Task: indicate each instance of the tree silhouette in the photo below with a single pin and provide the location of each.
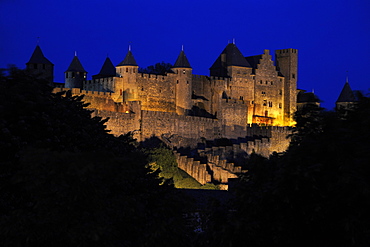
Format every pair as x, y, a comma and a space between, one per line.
65, 181
161, 68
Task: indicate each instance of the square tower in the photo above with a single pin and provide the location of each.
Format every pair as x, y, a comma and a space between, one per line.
287, 65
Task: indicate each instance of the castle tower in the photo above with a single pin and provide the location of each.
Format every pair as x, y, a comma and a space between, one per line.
184, 76
230, 63
75, 75
346, 99
107, 70
287, 64
126, 87
40, 66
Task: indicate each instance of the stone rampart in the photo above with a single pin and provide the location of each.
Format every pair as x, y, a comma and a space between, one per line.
278, 136
194, 168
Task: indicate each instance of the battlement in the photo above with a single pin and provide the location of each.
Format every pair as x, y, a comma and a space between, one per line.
262, 128
289, 50
100, 80
78, 91
153, 76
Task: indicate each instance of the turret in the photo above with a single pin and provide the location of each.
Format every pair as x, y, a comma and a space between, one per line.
184, 76
75, 75
40, 66
346, 99
287, 65
126, 87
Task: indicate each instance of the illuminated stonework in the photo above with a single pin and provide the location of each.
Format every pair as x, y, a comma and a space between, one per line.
240, 92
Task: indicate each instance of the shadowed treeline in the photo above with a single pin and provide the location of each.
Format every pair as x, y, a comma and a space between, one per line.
65, 181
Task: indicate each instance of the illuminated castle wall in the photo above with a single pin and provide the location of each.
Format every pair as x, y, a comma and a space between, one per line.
239, 92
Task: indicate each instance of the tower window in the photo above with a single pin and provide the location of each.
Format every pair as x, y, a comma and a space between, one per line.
280, 92
280, 105
260, 81
263, 93
43, 66
293, 75
264, 102
272, 83
266, 113
66, 75
241, 98
35, 66
270, 104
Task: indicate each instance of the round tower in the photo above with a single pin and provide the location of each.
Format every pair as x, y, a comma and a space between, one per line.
75, 75
126, 85
184, 76
40, 66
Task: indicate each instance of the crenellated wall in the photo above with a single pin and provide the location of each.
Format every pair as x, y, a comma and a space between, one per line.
216, 170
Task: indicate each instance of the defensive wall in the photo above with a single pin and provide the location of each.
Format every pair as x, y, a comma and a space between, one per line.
278, 136
174, 128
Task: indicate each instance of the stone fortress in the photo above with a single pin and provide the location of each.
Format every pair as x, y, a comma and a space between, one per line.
250, 100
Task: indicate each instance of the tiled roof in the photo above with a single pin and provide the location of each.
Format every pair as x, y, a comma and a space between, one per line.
38, 57
129, 60
76, 66
347, 94
107, 69
230, 56
182, 61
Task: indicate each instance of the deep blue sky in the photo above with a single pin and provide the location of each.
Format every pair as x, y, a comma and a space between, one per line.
332, 36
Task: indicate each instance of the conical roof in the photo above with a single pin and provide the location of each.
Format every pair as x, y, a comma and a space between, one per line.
230, 56
347, 94
38, 57
182, 61
76, 66
107, 69
129, 60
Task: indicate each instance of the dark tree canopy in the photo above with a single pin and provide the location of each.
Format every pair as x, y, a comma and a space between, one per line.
316, 194
161, 68
65, 181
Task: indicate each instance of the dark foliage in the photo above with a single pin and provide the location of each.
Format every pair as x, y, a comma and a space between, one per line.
157, 69
316, 194
65, 181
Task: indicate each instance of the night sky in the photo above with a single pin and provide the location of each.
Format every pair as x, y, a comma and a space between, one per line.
332, 36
